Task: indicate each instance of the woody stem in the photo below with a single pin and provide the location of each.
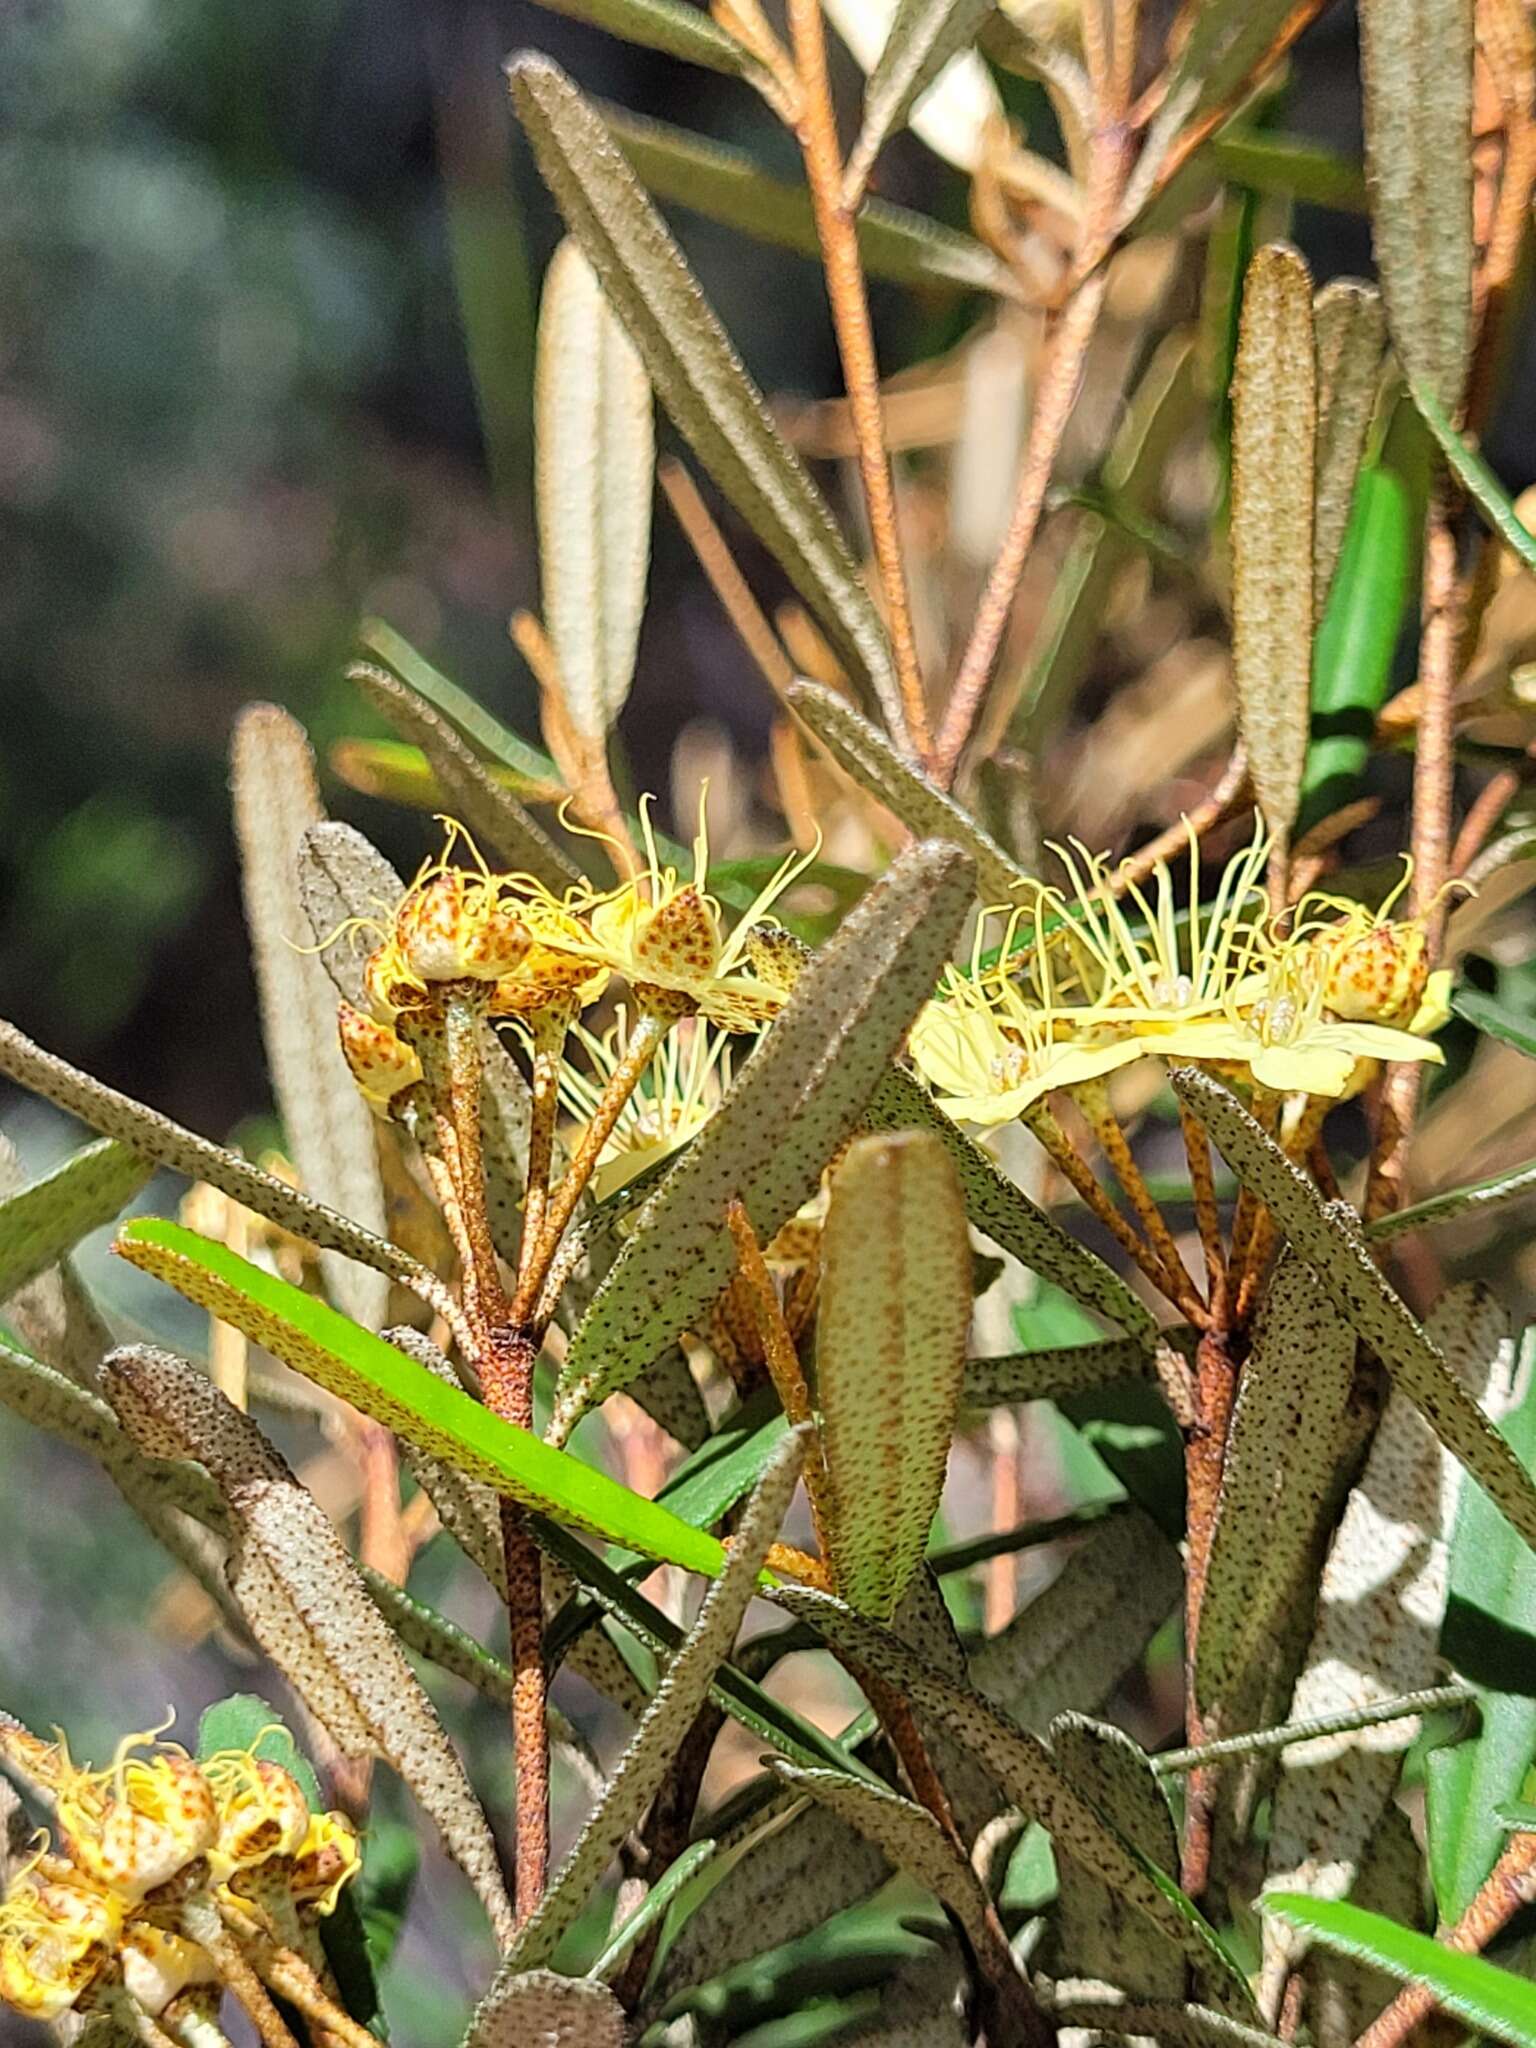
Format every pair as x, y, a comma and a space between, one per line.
1092, 1098
548, 1029
1065, 1155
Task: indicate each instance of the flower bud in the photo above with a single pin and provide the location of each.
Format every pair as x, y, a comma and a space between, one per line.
328, 1858
262, 1812
1377, 976
381, 1062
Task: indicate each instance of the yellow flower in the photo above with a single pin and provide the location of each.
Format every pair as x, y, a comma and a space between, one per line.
554, 965
676, 1097
1378, 965
139, 1823
159, 1966
328, 1858
262, 1812
56, 1940
381, 1063
666, 937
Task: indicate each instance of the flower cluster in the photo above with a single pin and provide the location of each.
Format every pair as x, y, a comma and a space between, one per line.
1299, 1005
100, 1911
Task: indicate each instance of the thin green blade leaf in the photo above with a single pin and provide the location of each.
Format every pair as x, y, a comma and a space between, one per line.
666, 25
1477, 1198
1484, 488
40, 1223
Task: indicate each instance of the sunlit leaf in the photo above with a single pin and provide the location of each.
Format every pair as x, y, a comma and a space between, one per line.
1477, 1198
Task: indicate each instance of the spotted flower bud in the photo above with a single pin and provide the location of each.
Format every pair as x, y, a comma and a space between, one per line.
56, 1940
1378, 974
159, 1966
553, 967
381, 1063
136, 1825
458, 927
262, 1812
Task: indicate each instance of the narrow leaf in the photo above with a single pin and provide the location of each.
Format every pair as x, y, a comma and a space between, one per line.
1018, 1376
667, 25
1274, 422
351, 1362
1283, 1444
537, 2009
42, 1222
923, 36
1351, 332
485, 732
668, 1718
874, 764
1365, 1300
344, 878
1100, 2009
1490, 2000
1484, 488
1095, 1933
1476, 1199
1416, 68
791, 1107
328, 1127
596, 457
302, 1595
890, 1352
693, 367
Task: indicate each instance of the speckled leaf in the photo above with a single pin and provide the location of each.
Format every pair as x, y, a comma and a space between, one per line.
328, 1127
797, 1099
53, 1313
1416, 1363
1416, 68
490, 811
1095, 1935
48, 1218
1351, 331
1004, 1213
696, 372
1070, 1645
305, 1602
671, 1713
537, 2009
905, 1833
875, 765
1274, 431
1283, 1444
342, 877
593, 482
1016, 1376
890, 1351
167, 1143
1376, 1635
1031, 1777
1100, 2009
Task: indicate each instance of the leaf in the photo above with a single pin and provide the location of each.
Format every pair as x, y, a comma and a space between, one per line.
328, 1127
1003, 1212
1351, 332
399, 774
301, 1593
1477, 1198
594, 476
923, 36
693, 367
48, 1218
670, 1715
668, 25
890, 1351
344, 878
1289, 167
146, 1131
1095, 1935
1489, 1635
957, 100
1416, 71
1283, 1445
474, 796
1028, 1775
1364, 1299
789, 1109
485, 733
1018, 1376
727, 185
1274, 432
1486, 492
1491, 1017
868, 756
1490, 2000
653, 1908
540, 2010
1100, 2009
361, 1368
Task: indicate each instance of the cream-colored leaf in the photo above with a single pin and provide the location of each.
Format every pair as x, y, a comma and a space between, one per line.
1274, 434
328, 1127
1351, 331
919, 74
305, 1602
593, 482
537, 2009
890, 1353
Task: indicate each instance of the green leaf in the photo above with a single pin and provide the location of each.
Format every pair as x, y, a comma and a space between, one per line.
697, 374
890, 1352
351, 1362
1416, 68
44, 1221
798, 1097
653, 1908
1490, 2000
1491, 1017
246, 1721
1097, 1936
1274, 435
1489, 1636
593, 481
726, 185
399, 774
1477, 1198
485, 732
1346, 1268
1290, 168
667, 25
923, 36
1487, 493
874, 764
1351, 332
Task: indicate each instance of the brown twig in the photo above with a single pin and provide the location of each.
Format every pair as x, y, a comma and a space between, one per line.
1041, 1122
1202, 1184
581, 757
1205, 1452
1092, 1098
837, 232
709, 544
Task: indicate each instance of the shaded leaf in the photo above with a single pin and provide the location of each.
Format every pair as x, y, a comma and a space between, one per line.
1484, 488
593, 481
1416, 70
1290, 166
923, 36
1365, 1300
1351, 331
788, 1110
874, 764
895, 1306
1274, 420
1104, 2010
1017, 1376
537, 2009
1094, 1933
1476, 1198
958, 98
302, 1596
693, 367
43, 1221
1491, 1017
327, 1126
667, 25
